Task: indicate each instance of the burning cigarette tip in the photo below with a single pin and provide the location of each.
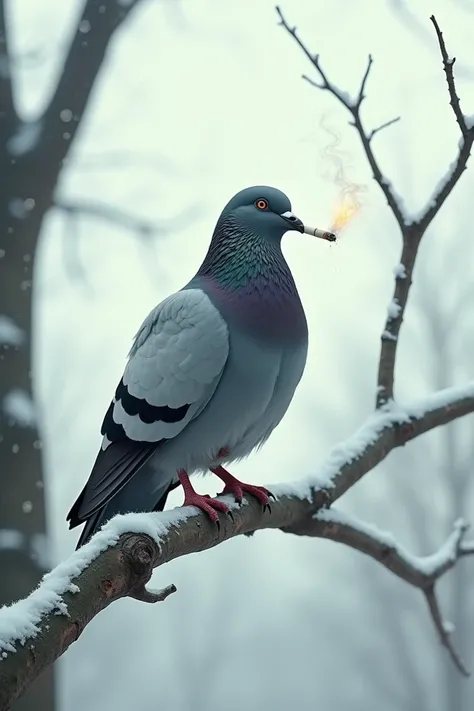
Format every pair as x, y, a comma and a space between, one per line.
322, 234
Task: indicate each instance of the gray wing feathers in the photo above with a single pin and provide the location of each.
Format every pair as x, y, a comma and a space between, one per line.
174, 367
176, 362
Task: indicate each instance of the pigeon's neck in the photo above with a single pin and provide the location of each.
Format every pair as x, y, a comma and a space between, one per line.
238, 257
249, 280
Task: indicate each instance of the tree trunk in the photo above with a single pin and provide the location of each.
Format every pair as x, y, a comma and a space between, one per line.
31, 160
23, 536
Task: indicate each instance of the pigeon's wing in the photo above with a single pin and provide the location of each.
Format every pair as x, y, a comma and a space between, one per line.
174, 367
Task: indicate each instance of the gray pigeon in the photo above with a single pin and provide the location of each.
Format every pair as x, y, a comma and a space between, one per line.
210, 374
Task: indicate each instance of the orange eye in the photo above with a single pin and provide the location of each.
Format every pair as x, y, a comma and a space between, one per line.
262, 204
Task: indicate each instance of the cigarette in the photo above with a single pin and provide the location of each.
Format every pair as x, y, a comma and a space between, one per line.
322, 234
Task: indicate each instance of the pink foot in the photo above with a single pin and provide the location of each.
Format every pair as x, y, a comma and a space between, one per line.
204, 502
239, 488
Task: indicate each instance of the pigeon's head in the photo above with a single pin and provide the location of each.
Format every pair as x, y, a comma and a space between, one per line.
263, 210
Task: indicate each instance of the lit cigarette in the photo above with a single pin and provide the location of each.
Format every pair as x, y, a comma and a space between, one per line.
322, 234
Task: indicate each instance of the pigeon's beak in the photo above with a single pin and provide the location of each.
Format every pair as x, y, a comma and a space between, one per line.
294, 223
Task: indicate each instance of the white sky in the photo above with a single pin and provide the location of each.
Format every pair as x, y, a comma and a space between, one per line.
206, 98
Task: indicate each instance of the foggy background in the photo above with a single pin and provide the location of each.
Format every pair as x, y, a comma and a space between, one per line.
196, 100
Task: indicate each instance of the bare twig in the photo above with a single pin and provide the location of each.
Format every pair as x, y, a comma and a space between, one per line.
381, 127
418, 28
442, 629
109, 213
448, 65
71, 241
455, 171
422, 572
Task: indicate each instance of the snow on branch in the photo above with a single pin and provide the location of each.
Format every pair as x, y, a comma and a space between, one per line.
412, 229
119, 560
422, 572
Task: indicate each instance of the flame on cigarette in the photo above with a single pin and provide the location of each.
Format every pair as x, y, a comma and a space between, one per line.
350, 195
347, 208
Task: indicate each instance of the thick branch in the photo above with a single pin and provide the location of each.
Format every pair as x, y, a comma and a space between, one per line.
393, 427
118, 562
81, 67
394, 320
422, 572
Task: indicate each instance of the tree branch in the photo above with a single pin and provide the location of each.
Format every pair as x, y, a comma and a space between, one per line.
62, 118
353, 106
119, 560
448, 65
8, 115
412, 230
109, 213
422, 572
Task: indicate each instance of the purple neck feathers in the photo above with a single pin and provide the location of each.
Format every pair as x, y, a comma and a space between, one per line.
248, 279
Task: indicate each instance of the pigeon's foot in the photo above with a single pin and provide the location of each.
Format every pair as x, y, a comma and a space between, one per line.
239, 488
204, 502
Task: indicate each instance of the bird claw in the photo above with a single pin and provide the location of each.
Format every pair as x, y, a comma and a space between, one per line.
267, 506
211, 507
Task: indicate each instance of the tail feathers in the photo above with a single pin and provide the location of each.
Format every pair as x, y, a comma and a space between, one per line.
160, 505
136, 496
92, 525
113, 470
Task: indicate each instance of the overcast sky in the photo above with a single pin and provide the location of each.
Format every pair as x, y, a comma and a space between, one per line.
197, 100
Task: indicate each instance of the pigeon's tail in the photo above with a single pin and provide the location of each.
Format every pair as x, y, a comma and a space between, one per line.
124, 479
136, 496
92, 525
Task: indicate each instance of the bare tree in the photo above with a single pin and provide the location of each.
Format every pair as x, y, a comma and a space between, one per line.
119, 560
32, 155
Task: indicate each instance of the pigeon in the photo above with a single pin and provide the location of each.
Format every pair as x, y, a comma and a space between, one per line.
211, 373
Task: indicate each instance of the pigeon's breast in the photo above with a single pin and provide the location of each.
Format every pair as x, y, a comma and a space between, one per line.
267, 310
253, 395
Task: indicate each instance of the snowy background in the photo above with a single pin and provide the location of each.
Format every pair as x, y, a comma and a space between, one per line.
196, 100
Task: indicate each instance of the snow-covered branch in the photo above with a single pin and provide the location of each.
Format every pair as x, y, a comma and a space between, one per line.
422, 572
119, 560
412, 228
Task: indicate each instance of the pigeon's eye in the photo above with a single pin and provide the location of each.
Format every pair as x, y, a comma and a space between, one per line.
262, 204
